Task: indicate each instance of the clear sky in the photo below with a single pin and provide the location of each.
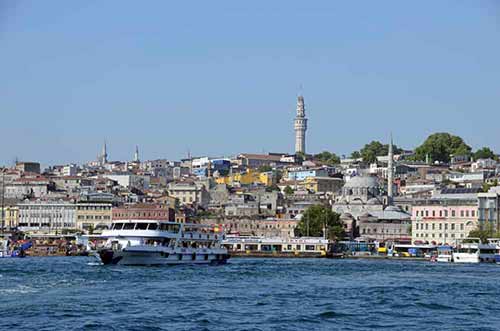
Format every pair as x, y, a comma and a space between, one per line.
222, 77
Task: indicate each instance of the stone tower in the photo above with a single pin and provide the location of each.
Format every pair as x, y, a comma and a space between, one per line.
300, 127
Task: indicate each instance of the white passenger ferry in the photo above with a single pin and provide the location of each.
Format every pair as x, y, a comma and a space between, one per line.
150, 242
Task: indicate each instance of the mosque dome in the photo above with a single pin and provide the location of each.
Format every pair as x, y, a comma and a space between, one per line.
362, 182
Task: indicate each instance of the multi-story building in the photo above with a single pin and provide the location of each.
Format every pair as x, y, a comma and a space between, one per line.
71, 183
10, 216
489, 209
441, 220
46, 216
28, 167
130, 180
33, 187
269, 228
189, 193
91, 215
323, 184
139, 211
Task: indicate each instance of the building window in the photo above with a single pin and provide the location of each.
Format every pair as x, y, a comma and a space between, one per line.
462, 214
453, 226
433, 213
473, 213
452, 213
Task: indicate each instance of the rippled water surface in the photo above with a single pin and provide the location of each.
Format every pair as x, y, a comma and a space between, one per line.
249, 294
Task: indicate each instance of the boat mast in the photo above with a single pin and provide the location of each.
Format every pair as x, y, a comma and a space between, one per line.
3, 202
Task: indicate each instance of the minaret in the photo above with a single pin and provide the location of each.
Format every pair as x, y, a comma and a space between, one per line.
104, 155
136, 154
300, 126
390, 172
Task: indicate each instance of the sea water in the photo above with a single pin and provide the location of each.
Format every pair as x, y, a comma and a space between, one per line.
75, 293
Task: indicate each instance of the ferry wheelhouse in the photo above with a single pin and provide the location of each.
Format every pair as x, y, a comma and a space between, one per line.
151, 242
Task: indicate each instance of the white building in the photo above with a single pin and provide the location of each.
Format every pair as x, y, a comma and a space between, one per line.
130, 180
46, 216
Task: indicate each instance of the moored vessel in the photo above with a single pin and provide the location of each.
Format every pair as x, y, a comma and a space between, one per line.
467, 252
151, 242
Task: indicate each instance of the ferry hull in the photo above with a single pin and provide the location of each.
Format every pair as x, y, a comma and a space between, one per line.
465, 258
148, 258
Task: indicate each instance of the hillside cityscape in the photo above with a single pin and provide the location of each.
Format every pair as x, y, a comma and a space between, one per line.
438, 193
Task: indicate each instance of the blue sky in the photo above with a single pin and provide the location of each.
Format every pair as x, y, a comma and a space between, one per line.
222, 77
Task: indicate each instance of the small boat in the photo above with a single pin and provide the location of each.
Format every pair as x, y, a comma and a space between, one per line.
467, 251
444, 254
7, 249
495, 246
152, 242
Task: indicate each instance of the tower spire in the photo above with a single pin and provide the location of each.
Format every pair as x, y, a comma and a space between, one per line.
300, 126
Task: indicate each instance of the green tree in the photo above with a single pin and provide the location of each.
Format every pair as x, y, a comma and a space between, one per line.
370, 151
327, 158
355, 155
483, 233
485, 153
288, 190
486, 186
439, 147
318, 217
300, 157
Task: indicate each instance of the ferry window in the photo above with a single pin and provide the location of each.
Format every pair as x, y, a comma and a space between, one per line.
128, 226
117, 226
152, 226
141, 226
310, 247
298, 247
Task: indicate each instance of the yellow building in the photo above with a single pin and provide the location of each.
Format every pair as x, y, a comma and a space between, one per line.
247, 178
11, 217
92, 215
323, 184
